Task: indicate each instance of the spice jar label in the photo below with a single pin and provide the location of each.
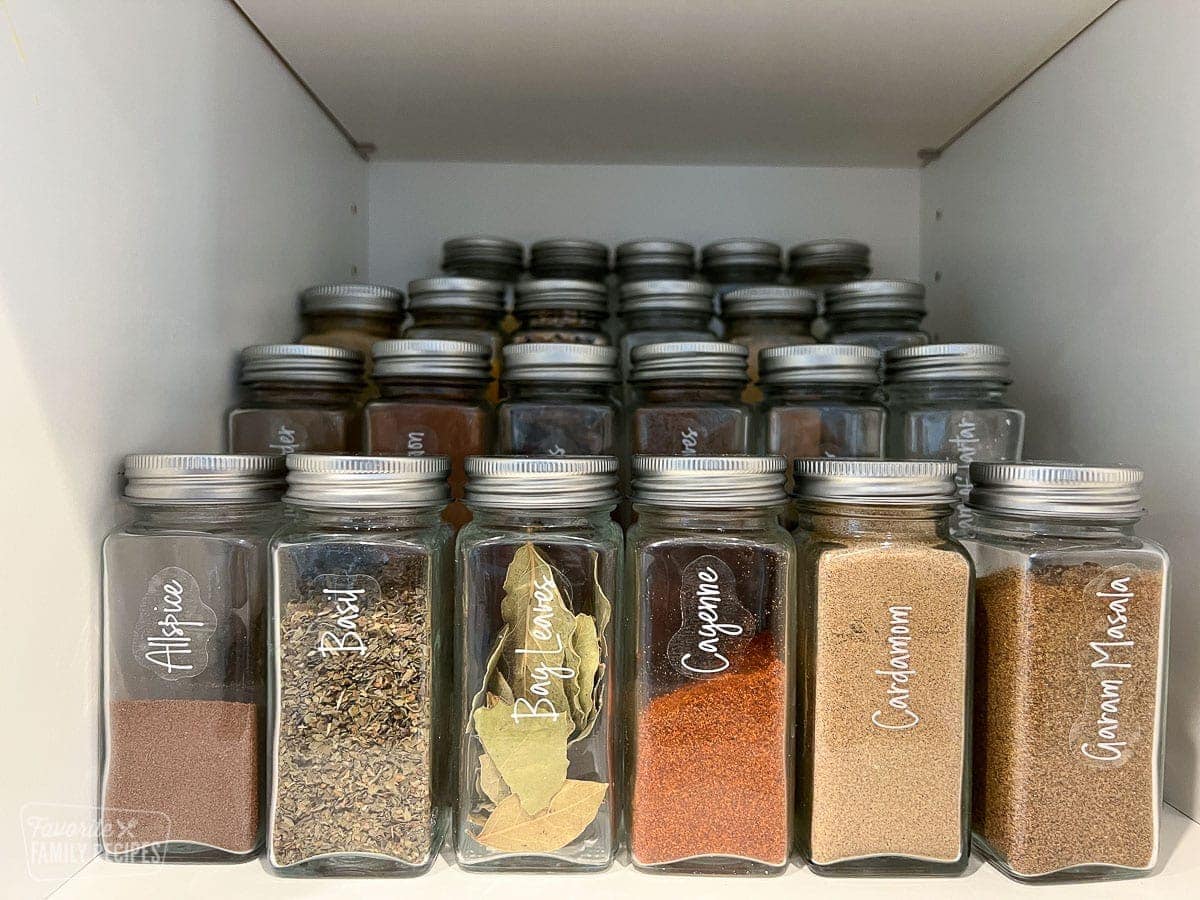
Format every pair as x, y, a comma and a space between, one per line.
174, 626
715, 627
689, 440
287, 437
335, 628
419, 440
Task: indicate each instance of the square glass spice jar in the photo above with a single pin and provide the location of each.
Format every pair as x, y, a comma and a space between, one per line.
361, 668
350, 316
1070, 672
459, 309
879, 313
184, 681
561, 311
886, 595
663, 310
483, 256
767, 316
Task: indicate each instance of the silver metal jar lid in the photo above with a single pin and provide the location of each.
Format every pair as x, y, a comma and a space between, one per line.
476, 294
629, 250
666, 295
561, 293
656, 257
829, 252
483, 248
537, 361
688, 361
423, 358
876, 482
573, 249
1057, 490
769, 300
303, 363
741, 252
708, 481
947, 362
367, 482
819, 364
534, 483
167, 478
875, 295
365, 299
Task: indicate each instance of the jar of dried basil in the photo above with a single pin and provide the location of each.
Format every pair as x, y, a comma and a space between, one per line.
459, 309
572, 258
561, 311
483, 256
361, 667
687, 399
539, 569
559, 401
646, 259
828, 261
767, 316
1070, 672
707, 675
884, 776
184, 678
350, 316
297, 397
876, 313
663, 310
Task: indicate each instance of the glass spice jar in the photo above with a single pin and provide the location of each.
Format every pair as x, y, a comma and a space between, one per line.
361, 667
884, 777
876, 313
687, 400
350, 316
947, 401
572, 258
297, 397
706, 673
559, 402
1070, 672
741, 261
184, 705
539, 570
647, 259
663, 310
767, 316
432, 404
828, 261
482, 256
459, 309
561, 311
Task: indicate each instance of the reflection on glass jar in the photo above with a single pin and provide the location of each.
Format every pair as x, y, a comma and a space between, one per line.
459, 309
350, 316
538, 578
707, 675
1070, 672
876, 313
573, 258
767, 316
656, 311
561, 311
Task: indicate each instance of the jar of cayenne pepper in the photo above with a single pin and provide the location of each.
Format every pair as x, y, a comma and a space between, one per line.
707, 671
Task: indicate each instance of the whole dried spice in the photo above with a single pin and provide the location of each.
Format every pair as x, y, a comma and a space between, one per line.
353, 772
1068, 684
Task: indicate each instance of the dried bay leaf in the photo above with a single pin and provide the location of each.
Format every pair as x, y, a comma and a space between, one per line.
490, 781
491, 671
501, 687
603, 606
529, 753
587, 647
570, 811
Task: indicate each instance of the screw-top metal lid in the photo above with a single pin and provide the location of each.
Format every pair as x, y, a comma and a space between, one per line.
561, 293
556, 257
1057, 490
720, 256
947, 362
483, 248
537, 361
830, 252
876, 482
769, 300
303, 363
819, 364
708, 481
689, 360
168, 478
421, 358
534, 483
654, 258
875, 296
666, 295
477, 294
367, 482
363, 299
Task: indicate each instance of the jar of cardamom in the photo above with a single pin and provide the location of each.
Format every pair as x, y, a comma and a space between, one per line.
1070, 672
184, 671
538, 572
885, 661
707, 674
361, 634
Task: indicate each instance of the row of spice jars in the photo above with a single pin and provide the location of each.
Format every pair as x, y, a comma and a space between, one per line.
710, 671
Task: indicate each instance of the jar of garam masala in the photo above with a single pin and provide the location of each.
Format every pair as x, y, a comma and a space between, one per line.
561, 311
432, 404
876, 313
885, 591
1070, 672
767, 316
539, 571
297, 397
687, 399
559, 401
361, 667
350, 316
184, 680
707, 677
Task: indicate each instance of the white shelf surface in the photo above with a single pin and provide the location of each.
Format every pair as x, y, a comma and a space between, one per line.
1178, 876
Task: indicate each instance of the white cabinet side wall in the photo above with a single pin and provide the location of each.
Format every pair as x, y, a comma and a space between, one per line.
166, 190
1064, 226
415, 205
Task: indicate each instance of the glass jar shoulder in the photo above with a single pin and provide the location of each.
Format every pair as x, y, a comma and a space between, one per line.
245, 527
427, 535
1028, 552
650, 533
595, 531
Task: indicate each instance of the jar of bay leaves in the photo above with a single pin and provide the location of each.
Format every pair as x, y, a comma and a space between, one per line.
361, 667
1070, 672
538, 572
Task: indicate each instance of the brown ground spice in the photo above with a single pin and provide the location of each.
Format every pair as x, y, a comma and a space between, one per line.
1039, 802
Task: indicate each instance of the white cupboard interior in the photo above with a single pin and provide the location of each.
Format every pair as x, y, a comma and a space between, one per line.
173, 173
